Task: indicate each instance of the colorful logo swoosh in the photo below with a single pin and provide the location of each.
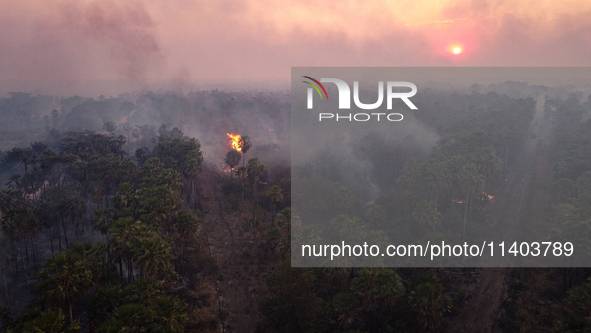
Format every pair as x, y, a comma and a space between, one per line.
315, 87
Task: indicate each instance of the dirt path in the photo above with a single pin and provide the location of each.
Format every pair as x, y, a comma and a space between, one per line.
483, 307
240, 278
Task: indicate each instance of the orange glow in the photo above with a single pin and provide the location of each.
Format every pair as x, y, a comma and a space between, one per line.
490, 197
458, 201
457, 50
235, 141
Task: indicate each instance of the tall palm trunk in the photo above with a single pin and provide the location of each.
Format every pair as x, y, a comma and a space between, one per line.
6, 284
256, 200
193, 192
244, 166
23, 261
71, 315
51, 240
34, 241
181, 258
65, 233
16, 265
129, 271
59, 236
27, 251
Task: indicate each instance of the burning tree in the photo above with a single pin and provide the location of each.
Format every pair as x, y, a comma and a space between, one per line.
235, 141
232, 159
240, 144
245, 145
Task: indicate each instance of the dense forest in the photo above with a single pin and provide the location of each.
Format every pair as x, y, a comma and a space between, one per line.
139, 213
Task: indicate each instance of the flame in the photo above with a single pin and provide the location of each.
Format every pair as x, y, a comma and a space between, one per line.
236, 144
459, 201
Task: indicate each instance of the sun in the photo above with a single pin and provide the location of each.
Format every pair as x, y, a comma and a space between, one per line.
457, 50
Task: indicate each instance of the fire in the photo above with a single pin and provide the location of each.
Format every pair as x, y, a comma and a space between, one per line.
235, 141
460, 201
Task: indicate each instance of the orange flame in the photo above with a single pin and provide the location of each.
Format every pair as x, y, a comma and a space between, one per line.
490, 197
236, 144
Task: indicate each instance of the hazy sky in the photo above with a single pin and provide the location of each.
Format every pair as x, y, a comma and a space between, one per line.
61, 46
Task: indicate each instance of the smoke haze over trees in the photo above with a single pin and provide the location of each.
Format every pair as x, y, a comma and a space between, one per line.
133, 195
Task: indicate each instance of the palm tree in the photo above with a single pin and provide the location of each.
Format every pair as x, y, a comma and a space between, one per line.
6, 257
127, 318
378, 288
411, 173
410, 178
376, 215
470, 179
109, 126
192, 169
18, 220
437, 174
146, 291
254, 170
187, 225
26, 156
128, 128
347, 228
106, 299
91, 258
276, 196
241, 173
245, 144
232, 159
68, 275
50, 321
343, 199
123, 234
170, 314
101, 221
345, 305
430, 304
486, 158
152, 255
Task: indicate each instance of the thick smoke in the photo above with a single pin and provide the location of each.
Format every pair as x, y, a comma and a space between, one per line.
71, 47
126, 30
